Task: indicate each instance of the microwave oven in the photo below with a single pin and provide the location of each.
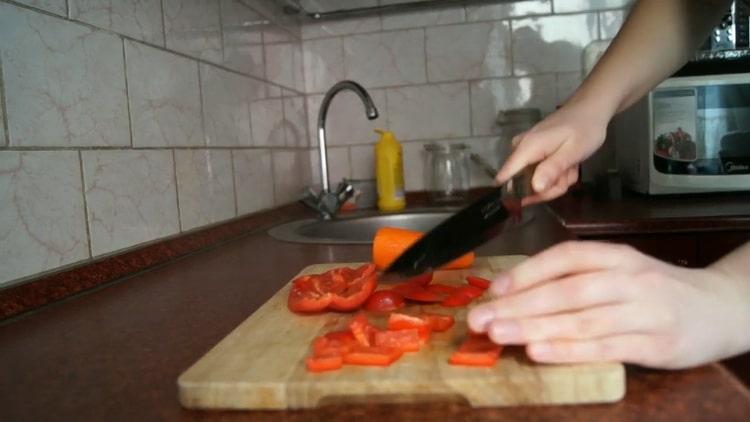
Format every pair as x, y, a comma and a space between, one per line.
687, 135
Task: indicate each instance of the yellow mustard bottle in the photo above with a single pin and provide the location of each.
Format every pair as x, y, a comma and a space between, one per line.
389, 170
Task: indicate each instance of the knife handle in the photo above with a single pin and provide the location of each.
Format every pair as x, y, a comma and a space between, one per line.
520, 185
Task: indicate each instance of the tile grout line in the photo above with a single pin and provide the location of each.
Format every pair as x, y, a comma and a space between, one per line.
163, 24
4, 125
127, 95
176, 190
424, 51
221, 32
234, 182
85, 205
200, 100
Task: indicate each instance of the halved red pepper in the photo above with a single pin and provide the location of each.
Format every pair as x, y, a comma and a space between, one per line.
340, 289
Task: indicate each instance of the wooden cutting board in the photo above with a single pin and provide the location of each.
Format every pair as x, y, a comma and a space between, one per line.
260, 365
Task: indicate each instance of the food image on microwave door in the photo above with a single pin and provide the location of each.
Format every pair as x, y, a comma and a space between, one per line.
676, 145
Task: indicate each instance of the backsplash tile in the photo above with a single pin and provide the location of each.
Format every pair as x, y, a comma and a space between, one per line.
347, 123
564, 6
295, 122
386, 58
424, 18
253, 179
42, 222
205, 187
75, 96
193, 27
226, 106
164, 95
323, 63
552, 43
267, 122
3, 138
470, 51
140, 19
610, 23
362, 161
339, 166
58, 7
131, 197
567, 83
284, 65
490, 96
429, 111
242, 34
508, 10
291, 173
336, 27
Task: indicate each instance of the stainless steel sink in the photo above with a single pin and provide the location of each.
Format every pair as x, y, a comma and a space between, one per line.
360, 228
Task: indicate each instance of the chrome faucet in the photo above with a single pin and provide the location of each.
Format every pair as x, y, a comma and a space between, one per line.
326, 202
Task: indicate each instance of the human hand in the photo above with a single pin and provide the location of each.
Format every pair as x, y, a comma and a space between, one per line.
559, 143
591, 301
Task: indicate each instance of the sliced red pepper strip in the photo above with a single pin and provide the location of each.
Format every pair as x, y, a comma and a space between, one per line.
480, 282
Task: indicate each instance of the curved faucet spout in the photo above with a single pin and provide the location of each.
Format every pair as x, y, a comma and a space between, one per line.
370, 110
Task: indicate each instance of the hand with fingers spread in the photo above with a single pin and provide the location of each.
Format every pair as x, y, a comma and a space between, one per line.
590, 301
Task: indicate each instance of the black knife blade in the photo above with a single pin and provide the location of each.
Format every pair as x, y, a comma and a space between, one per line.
464, 231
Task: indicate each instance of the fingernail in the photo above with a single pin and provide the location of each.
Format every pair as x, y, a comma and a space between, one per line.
479, 318
505, 331
540, 351
540, 184
501, 285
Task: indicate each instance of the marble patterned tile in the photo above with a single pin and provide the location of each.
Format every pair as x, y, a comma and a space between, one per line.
42, 219
347, 123
163, 90
566, 6
273, 11
552, 43
267, 122
291, 174
429, 111
423, 18
488, 97
315, 182
57, 7
242, 34
64, 82
491, 12
493, 149
362, 161
140, 19
253, 179
226, 107
323, 63
470, 51
273, 33
205, 187
610, 23
284, 65
415, 159
295, 122
131, 197
385, 59
193, 27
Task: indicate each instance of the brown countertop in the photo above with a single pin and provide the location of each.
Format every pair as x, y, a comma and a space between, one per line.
585, 215
115, 353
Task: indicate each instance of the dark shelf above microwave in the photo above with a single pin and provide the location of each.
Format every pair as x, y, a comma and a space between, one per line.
312, 10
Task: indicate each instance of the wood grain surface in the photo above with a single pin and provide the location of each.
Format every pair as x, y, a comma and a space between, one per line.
260, 365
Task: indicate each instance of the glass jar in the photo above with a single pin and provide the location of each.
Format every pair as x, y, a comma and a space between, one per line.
447, 172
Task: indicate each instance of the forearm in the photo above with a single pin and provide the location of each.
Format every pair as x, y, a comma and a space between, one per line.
657, 38
733, 279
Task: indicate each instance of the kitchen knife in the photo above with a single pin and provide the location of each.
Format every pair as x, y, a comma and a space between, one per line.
464, 231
